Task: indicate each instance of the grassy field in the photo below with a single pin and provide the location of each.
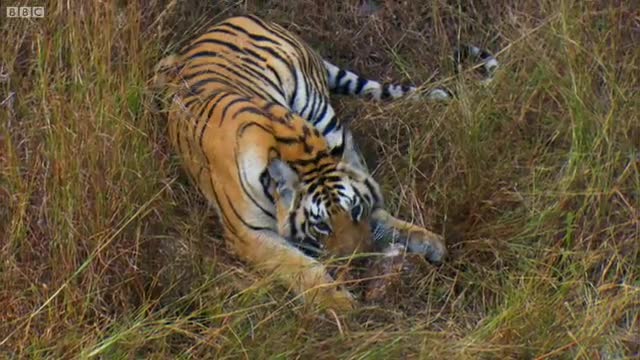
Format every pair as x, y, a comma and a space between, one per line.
108, 252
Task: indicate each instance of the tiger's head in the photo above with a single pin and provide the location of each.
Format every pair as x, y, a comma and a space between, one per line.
328, 208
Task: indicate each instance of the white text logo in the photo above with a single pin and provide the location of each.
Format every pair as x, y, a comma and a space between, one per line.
25, 11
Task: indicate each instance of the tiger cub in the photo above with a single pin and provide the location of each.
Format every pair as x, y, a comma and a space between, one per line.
250, 116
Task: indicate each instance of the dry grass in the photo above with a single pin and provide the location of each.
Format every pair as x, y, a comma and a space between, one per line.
108, 252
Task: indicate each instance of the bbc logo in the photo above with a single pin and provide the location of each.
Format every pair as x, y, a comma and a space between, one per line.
25, 12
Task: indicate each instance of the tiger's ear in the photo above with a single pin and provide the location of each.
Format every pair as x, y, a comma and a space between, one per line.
286, 181
351, 154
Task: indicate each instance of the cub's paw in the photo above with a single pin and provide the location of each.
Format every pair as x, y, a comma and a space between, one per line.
430, 245
333, 298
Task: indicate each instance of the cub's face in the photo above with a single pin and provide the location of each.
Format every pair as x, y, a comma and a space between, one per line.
329, 213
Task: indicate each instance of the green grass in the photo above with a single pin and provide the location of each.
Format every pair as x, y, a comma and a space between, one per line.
108, 252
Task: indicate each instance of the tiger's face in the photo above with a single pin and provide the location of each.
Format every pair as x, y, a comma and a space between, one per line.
331, 212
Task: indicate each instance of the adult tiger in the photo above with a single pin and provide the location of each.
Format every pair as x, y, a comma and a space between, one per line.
250, 117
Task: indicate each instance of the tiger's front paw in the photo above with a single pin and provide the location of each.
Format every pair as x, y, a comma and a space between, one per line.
429, 244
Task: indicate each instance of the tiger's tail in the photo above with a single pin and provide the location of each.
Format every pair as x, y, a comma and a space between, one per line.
348, 83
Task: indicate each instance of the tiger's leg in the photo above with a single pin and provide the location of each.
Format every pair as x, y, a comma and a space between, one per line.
416, 239
388, 229
271, 254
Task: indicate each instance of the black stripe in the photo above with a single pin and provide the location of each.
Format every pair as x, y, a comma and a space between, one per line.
204, 53
246, 191
268, 107
309, 246
251, 35
250, 60
484, 55
227, 107
340, 187
213, 106
314, 103
258, 21
190, 76
332, 178
337, 151
225, 219
292, 226
206, 120
219, 30
199, 84
255, 54
287, 140
376, 198
244, 127
257, 37
330, 126
189, 102
307, 88
275, 73
273, 53
265, 181
229, 225
368, 200
243, 221
385, 93
357, 192
295, 89
206, 102
282, 34
344, 88
228, 45
308, 175
320, 116
252, 109
318, 169
339, 76
304, 162
360, 85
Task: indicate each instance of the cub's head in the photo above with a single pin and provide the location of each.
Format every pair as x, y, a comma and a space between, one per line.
326, 206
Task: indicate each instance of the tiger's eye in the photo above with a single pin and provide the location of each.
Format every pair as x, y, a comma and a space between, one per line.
322, 228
